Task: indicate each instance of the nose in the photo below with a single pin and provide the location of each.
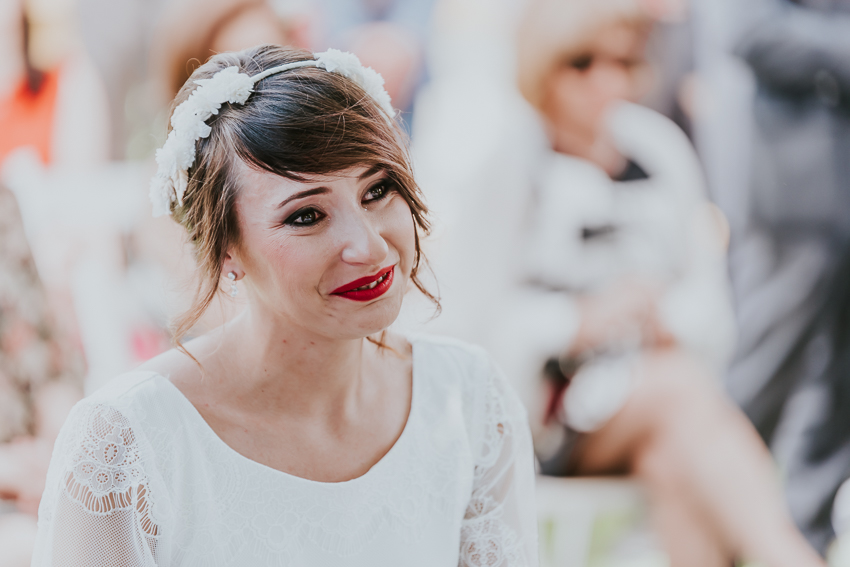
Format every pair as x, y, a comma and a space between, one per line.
362, 240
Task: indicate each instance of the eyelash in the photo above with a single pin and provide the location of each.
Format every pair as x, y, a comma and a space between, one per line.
387, 185
292, 220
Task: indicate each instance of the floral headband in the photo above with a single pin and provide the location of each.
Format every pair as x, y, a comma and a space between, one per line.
188, 122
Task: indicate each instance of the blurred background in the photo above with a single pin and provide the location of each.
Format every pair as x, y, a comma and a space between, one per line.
672, 173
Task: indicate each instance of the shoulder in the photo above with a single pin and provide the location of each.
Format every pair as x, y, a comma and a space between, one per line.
127, 402
492, 412
454, 364
127, 391
449, 354
133, 421
177, 365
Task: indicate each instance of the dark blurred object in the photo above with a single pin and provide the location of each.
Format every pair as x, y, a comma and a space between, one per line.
782, 261
800, 56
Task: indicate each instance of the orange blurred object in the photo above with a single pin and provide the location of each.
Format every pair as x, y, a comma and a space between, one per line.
27, 117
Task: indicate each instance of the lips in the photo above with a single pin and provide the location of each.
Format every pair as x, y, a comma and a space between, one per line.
368, 288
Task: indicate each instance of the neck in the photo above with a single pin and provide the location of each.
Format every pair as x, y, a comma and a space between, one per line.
281, 366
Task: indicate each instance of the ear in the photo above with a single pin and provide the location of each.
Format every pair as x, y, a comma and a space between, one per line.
232, 264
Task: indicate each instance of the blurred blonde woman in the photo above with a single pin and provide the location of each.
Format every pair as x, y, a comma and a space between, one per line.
624, 274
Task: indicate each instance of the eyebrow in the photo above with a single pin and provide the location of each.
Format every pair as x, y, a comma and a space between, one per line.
322, 190
372, 171
303, 194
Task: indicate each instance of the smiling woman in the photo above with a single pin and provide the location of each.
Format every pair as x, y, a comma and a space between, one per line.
301, 432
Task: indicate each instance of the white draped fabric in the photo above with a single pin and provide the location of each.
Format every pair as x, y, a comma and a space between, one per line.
138, 479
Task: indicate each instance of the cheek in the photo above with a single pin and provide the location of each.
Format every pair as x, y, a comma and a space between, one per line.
575, 98
610, 82
400, 232
283, 263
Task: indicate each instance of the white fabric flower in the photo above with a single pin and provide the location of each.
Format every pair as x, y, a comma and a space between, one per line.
349, 66
188, 125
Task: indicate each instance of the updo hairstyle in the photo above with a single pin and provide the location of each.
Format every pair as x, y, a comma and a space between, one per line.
298, 124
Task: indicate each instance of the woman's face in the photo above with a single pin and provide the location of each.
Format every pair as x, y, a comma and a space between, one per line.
583, 87
331, 256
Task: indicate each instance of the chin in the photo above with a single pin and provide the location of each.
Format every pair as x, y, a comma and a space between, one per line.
372, 319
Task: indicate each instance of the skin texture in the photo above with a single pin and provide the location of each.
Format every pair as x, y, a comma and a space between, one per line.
296, 359
710, 478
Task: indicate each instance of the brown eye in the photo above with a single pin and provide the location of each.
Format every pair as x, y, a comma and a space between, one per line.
304, 217
377, 192
582, 62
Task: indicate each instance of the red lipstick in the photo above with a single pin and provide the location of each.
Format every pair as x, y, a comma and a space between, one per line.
368, 288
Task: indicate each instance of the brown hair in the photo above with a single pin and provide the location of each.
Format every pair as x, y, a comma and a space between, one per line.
298, 124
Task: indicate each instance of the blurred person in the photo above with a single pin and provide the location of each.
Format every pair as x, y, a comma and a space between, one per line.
217, 26
300, 432
387, 35
604, 269
794, 223
40, 379
60, 111
621, 224
49, 118
815, 450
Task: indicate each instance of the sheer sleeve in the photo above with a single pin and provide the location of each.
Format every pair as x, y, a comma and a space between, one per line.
500, 525
97, 505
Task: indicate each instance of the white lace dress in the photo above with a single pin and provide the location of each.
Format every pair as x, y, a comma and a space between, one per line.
138, 479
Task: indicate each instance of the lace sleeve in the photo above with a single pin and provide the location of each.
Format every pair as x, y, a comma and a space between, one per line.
97, 505
500, 525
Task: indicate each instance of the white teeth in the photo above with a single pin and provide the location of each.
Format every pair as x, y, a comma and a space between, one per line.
371, 285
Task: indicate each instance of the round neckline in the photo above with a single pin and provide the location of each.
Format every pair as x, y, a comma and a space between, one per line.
380, 463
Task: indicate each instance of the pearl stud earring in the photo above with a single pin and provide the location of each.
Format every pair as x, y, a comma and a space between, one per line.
232, 277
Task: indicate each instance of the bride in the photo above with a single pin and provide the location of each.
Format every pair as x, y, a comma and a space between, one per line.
301, 432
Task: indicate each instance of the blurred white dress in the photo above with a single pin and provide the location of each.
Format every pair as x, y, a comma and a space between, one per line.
138, 478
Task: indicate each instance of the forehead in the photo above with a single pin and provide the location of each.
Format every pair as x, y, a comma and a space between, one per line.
617, 38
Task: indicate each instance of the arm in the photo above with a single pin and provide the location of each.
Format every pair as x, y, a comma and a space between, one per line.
97, 507
793, 48
499, 528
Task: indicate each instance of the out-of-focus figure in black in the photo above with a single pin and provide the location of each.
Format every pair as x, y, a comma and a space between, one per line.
791, 369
